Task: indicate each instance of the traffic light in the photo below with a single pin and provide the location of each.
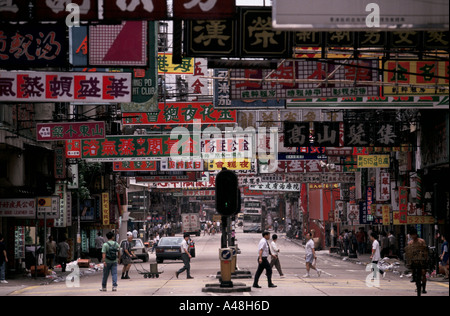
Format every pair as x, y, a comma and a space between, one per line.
227, 199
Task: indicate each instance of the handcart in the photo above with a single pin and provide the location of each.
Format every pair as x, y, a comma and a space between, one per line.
153, 273
416, 258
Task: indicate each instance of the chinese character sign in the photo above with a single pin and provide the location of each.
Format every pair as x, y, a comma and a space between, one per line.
419, 77
139, 148
306, 79
29, 86
32, 46
69, 131
177, 113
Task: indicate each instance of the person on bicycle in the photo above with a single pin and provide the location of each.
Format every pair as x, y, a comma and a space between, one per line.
416, 241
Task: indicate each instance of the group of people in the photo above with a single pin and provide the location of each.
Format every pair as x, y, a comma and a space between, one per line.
266, 251
361, 242
111, 257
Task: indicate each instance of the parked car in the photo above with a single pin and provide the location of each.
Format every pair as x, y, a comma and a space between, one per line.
138, 248
169, 248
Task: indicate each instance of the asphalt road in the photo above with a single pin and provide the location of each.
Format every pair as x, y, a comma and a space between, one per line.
339, 278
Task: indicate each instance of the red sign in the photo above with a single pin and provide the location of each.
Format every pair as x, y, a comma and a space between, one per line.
181, 113
70, 130
134, 165
56, 10
403, 204
210, 9
73, 148
135, 10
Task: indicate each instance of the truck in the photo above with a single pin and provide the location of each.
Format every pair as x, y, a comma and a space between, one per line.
191, 224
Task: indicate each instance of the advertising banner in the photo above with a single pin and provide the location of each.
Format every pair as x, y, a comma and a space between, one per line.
28, 86
69, 131
178, 113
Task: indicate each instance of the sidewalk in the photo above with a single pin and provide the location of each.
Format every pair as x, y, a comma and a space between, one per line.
17, 282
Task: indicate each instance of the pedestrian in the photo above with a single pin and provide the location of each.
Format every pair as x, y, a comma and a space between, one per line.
392, 244
416, 241
263, 263
275, 261
99, 241
51, 252
63, 249
127, 256
376, 254
346, 242
310, 256
186, 257
155, 241
361, 239
110, 250
444, 256
384, 245
3, 260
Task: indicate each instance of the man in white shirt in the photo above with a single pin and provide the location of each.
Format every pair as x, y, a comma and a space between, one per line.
275, 255
376, 256
263, 263
186, 257
310, 256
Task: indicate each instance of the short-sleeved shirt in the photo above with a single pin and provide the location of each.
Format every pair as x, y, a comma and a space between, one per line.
309, 247
105, 249
184, 246
264, 246
376, 247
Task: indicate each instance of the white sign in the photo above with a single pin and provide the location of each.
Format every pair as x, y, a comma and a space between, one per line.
226, 148
17, 208
30, 86
274, 186
353, 15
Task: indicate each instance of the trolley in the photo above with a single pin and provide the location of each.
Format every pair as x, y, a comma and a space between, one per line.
153, 273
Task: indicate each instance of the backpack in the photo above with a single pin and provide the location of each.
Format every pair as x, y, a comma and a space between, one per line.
111, 253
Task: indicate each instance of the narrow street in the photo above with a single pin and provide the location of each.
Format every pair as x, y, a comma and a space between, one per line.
339, 277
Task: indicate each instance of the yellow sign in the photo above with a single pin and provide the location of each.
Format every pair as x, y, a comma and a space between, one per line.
386, 210
105, 208
165, 65
419, 76
230, 164
373, 161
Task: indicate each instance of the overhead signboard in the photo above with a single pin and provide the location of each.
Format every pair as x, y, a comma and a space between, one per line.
360, 14
230, 164
135, 166
373, 161
27, 86
306, 78
18, 207
139, 147
32, 45
168, 164
178, 113
222, 95
122, 44
69, 131
166, 66
388, 102
135, 10
416, 77
57, 10
258, 38
192, 9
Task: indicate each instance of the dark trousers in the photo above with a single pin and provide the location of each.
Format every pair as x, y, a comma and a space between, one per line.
187, 265
63, 262
261, 266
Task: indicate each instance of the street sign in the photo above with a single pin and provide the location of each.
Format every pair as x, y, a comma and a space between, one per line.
48, 207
